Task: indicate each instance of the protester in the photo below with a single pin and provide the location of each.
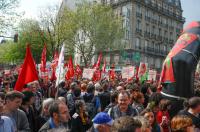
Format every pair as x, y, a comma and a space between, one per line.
27, 107
93, 105
162, 115
80, 120
149, 115
123, 107
126, 124
146, 126
102, 122
44, 115
59, 115
62, 91
182, 123
193, 111
104, 96
13, 101
113, 100
6, 124
70, 98
138, 103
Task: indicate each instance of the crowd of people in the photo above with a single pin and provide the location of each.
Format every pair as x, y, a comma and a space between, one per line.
86, 106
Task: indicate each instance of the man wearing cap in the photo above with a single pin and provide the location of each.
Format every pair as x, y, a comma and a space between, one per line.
102, 122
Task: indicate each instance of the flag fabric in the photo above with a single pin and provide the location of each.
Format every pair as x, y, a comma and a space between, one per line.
43, 59
78, 71
60, 67
97, 75
112, 72
97, 66
28, 73
53, 66
70, 69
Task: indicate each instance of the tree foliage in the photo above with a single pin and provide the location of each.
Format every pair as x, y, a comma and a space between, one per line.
98, 29
7, 14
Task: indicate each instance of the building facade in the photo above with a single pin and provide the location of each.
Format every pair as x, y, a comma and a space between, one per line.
151, 29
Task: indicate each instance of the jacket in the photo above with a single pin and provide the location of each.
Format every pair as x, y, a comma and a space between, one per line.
116, 113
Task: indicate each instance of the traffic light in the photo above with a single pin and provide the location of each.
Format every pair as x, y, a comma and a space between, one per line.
16, 38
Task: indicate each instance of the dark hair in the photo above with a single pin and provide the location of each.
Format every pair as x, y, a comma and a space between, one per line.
113, 96
2, 95
13, 95
144, 88
138, 96
156, 98
194, 102
77, 92
61, 85
90, 88
73, 85
54, 107
78, 104
124, 92
125, 124
27, 96
164, 103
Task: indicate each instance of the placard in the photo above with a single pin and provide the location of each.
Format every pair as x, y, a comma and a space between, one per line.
88, 73
128, 72
152, 75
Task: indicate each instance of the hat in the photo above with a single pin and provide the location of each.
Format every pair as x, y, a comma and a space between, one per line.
102, 118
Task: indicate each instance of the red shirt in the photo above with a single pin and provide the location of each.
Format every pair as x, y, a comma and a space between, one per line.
159, 118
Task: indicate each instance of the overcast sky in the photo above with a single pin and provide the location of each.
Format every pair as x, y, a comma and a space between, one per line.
191, 8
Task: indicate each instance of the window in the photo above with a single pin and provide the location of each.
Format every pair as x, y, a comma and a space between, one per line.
147, 28
165, 48
145, 44
137, 43
138, 26
159, 32
153, 29
138, 9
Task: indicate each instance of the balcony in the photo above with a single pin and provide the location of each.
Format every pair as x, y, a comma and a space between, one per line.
159, 37
147, 18
147, 34
153, 36
139, 15
138, 31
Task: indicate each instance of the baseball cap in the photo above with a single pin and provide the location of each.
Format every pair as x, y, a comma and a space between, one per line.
102, 118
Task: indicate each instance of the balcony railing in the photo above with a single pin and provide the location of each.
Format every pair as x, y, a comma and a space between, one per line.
139, 31
138, 14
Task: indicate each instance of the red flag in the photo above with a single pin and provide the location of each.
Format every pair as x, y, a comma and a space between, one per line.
99, 61
28, 73
112, 72
43, 59
70, 70
104, 66
54, 65
53, 75
55, 60
97, 76
78, 70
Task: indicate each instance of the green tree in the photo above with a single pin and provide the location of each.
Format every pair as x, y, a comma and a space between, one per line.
29, 33
98, 29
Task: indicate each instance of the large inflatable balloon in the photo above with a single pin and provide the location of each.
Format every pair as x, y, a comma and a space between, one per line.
177, 76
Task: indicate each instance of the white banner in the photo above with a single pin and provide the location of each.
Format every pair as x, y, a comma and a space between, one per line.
152, 75
128, 72
88, 73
